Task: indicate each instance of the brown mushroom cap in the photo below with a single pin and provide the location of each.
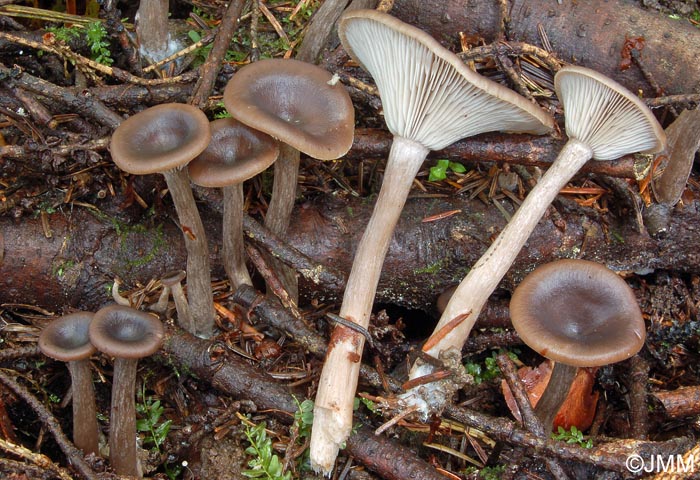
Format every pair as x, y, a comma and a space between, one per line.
124, 332
296, 103
172, 277
605, 115
160, 138
235, 153
428, 94
578, 313
66, 338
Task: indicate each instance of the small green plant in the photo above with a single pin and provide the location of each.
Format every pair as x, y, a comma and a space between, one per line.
96, 35
439, 171
489, 370
573, 435
304, 417
492, 473
264, 463
149, 423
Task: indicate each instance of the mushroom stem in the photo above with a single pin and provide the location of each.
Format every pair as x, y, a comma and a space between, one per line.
555, 393
198, 270
84, 410
122, 422
338, 382
474, 290
233, 246
279, 212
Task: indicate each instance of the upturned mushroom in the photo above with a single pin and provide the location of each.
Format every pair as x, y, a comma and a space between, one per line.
298, 104
603, 121
66, 339
579, 314
430, 99
235, 154
127, 335
164, 139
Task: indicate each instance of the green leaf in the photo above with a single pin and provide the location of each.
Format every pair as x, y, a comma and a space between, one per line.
439, 171
457, 167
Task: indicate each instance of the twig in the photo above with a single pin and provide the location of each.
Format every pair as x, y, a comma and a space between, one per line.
79, 60
234, 376
41, 461
32, 149
19, 352
272, 281
516, 48
309, 269
210, 69
83, 105
530, 420
319, 30
74, 455
639, 409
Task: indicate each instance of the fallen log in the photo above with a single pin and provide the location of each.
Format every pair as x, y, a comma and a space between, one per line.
589, 34
75, 261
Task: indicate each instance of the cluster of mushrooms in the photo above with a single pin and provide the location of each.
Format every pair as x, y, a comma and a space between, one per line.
124, 333
430, 99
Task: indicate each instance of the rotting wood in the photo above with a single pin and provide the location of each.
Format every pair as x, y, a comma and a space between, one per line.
591, 36
88, 249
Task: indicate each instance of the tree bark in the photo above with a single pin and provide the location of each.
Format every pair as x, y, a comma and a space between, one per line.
75, 267
591, 34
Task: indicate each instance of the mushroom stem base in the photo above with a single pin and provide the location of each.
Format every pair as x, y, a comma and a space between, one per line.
338, 382
555, 393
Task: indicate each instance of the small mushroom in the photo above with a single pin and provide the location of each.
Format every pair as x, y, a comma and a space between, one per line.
172, 283
578, 314
66, 339
164, 139
298, 104
604, 121
126, 334
430, 99
235, 154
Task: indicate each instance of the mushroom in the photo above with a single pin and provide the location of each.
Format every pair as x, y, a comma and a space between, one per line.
430, 100
172, 284
152, 32
579, 314
163, 139
126, 334
298, 104
604, 121
66, 339
235, 154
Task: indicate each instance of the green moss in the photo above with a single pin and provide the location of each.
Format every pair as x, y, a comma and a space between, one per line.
432, 269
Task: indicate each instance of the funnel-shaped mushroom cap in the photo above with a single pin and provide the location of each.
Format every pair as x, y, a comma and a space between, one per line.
605, 115
66, 338
160, 138
235, 154
578, 313
296, 103
428, 94
125, 332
